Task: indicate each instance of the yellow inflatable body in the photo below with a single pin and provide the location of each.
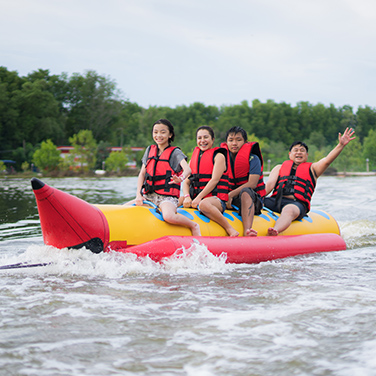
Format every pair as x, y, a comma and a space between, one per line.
140, 224
69, 222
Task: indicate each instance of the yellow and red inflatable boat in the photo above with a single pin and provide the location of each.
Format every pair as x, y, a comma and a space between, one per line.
69, 222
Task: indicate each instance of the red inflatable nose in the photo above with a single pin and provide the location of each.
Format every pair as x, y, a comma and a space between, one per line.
68, 221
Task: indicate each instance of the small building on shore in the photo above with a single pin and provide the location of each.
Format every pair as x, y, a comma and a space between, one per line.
67, 150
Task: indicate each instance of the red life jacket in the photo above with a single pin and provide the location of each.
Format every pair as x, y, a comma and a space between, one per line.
202, 168
239, 170
300, 182
159, 172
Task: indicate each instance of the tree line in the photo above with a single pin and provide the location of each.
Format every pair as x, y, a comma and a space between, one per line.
41, 106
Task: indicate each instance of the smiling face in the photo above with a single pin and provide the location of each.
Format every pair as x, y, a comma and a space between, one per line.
161, 135
234, 142
204, 140
298, 154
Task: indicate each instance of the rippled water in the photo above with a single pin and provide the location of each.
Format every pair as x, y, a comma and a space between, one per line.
112, 314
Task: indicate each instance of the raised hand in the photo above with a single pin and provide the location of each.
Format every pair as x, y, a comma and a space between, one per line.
347, 136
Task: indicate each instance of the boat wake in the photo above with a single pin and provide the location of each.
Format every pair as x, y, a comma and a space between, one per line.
358, 234
196, 259
42, 259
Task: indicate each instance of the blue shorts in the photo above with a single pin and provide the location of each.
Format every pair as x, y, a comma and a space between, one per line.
223, 203
271, 203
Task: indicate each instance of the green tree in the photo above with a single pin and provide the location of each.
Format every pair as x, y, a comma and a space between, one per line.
126, 129
84, 149
39, 114
103, 151
253, 138
10, 84
278, 124
117, 161
93, 103
351, 158
47, 157
303, 114
23, 153
348, 118
260, 124
365, 121
316, 138
57, 86
25, 166
369, 148
274, 151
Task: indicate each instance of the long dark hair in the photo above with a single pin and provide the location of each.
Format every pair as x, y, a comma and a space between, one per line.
168, 124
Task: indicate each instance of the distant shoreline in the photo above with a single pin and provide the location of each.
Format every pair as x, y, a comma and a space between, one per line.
134, 173
345, 173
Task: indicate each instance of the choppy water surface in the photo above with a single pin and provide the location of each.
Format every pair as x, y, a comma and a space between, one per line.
112, 314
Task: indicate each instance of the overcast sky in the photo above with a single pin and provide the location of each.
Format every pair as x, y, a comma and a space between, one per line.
177, 52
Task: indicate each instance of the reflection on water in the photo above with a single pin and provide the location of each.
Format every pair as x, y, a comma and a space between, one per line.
18, 209
16, 202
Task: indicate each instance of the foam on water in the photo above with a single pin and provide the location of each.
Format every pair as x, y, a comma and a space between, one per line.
359, 233
196, 259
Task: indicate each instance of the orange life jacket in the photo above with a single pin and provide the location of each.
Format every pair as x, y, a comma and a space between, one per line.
202, 165
239, 170
159, 172
300, 182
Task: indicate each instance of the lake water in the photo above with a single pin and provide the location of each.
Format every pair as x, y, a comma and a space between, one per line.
111, 314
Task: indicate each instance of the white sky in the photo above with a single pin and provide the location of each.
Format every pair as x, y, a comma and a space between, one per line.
176, 52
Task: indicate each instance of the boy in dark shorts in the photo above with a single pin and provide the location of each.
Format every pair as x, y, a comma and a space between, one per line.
245, 169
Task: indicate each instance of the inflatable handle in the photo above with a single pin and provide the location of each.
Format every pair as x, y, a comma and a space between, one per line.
150, 203
147, 203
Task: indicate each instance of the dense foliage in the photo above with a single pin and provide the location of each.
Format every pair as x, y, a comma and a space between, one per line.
41, 107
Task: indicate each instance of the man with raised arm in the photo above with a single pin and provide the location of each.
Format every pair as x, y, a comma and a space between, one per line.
293, 182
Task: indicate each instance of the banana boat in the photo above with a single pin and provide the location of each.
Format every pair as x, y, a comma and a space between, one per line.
70, 222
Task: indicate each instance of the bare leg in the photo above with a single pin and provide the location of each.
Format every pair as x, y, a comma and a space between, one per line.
212, 208
248, 213
288, 214
170, 215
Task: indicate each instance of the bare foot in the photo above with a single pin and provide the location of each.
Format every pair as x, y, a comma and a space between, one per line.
272, 231
250, 232
196, 230
233, 233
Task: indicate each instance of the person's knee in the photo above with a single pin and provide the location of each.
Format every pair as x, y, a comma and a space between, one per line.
247, 194
168, 217
291, 211
204, 205
244, 196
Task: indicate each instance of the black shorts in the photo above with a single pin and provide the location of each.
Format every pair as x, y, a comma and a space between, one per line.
271, 203
236, 201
